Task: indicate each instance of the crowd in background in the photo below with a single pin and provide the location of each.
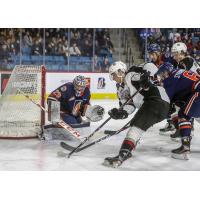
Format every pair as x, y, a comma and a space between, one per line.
57, 42
166, 37
83, 48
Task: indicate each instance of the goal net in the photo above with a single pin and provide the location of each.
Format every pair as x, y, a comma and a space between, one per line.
19, 117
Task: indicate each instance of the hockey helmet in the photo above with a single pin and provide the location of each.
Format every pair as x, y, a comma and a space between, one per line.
165, 70
154, 48
179, 47
117, 68
149, 67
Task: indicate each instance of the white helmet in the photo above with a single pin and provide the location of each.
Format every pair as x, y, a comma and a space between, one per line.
117, 67
179, 47
149, 67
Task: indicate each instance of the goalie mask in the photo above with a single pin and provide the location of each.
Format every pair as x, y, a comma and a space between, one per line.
79, 85
95, 113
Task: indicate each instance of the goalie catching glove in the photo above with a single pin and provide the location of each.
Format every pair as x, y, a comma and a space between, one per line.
95, 113
118, 113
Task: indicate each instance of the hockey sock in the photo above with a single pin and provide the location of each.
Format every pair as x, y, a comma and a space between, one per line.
185, 128
126, 148
175, 121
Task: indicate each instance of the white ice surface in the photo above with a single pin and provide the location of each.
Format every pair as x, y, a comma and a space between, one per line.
153, 152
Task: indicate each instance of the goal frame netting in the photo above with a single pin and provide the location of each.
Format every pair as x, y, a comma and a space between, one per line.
40, 72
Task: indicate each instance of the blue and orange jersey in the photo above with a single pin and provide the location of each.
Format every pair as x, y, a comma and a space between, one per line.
69, 102
180, 84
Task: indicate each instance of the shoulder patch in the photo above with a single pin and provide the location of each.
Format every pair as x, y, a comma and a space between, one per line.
63, 88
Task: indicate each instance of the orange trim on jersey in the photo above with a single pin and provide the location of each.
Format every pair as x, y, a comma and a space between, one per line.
183, 127
190, 103
194, 85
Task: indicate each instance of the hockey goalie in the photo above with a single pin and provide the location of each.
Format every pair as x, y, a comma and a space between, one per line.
71, 103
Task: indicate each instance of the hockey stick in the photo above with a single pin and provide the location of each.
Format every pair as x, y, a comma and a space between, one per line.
88, 137
64, 125
71, 148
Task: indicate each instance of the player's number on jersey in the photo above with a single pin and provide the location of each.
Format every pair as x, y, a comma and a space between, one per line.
190, 75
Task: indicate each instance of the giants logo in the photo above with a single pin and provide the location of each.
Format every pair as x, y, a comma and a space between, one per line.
101, 83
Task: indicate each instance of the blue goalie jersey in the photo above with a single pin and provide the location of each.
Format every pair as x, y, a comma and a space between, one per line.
69, 102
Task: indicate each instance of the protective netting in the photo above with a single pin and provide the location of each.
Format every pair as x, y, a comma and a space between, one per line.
19, 117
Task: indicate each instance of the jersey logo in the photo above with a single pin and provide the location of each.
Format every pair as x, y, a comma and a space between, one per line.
77, 107
178, 73
63, 88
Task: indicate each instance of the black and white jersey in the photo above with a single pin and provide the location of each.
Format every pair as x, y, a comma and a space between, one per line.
153, 92
131, 85
123, 94
189, 63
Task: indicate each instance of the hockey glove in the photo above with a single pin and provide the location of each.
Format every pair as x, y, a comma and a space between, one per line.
118, 113
145, 80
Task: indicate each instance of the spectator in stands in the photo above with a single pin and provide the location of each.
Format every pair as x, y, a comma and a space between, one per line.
4, 54
198, 45
27, 40
97, 63
51, 47
74, 50
86, 49
97, 47
59, 49
75, 38
156, 33
105, 65
189, 45
38, 37
37, 48
63, 39
65, 49
109, 45
47, 38
177, 37
10, 46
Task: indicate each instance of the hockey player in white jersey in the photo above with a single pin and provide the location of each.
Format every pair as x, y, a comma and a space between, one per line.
152, 103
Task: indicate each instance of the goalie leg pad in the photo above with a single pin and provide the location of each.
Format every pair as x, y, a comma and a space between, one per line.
53, 111
69, 119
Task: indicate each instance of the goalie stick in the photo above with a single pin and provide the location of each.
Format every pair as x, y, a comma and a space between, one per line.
64, 125
71, 148
88, 137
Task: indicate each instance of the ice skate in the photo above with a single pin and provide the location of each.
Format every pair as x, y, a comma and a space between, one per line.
168, 129
183, 151
117, 160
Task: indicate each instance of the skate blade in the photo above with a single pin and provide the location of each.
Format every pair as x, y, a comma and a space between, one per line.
166, 133
61, 154
113, 165
184, 156
176, 139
